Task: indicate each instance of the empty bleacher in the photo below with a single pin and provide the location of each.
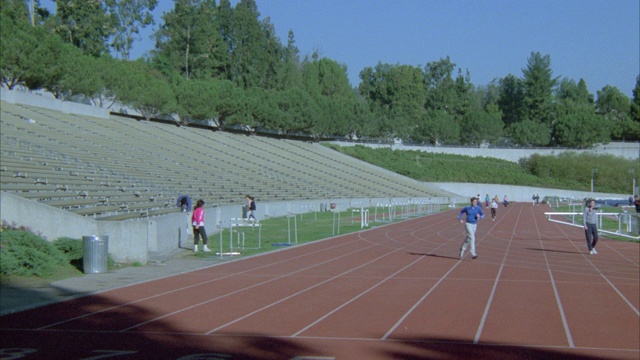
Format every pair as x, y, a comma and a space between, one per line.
119, 168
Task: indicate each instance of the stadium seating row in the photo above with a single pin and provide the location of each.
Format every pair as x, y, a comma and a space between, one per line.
122, 168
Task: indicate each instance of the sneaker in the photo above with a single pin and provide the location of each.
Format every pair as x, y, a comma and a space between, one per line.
594, 251
195, 248
474, 256
206, 249
590, 252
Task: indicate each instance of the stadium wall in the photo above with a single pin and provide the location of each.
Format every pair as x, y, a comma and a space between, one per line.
46, 101
158, 238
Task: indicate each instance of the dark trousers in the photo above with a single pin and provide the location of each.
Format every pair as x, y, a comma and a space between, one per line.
591, 235
197, 233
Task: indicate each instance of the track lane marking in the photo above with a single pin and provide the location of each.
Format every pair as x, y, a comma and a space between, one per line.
476, 340
190, 286
563, 316
603, 276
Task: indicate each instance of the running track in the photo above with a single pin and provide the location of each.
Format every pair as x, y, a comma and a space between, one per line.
394, 292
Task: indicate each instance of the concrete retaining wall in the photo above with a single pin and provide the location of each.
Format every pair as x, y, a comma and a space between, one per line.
48, 102
155, 238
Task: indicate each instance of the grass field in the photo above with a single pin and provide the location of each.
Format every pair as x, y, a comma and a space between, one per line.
275, 233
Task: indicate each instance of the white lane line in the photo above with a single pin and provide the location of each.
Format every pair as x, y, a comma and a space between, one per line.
355, 298
565, 323
294, 294
403, 318
242, 289
495, 285
395, 326
193, 285
624, 298
395, 250
261, 283
382, 244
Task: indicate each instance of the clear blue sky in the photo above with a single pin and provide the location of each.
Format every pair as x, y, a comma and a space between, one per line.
597, 40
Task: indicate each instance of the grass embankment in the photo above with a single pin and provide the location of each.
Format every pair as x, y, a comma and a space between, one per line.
570, 170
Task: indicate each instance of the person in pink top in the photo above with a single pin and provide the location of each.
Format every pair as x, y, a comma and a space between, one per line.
197, 220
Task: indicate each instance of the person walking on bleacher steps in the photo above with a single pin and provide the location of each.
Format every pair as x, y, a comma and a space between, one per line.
590, 219
184, 203
251, 208
473, 214
197, 220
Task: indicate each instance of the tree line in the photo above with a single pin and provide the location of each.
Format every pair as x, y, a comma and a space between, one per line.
224, 64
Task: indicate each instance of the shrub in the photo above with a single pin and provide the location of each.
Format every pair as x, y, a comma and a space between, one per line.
72, 249
27, 254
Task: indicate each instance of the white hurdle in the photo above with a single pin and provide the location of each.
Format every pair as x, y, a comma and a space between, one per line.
336, 213
623, 219
295, 227
390, 210
309, 208
364, 217
238, 222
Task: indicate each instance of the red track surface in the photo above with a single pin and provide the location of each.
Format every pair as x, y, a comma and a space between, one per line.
394, 292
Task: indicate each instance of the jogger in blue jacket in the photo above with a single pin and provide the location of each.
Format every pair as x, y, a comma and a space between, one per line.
473, 214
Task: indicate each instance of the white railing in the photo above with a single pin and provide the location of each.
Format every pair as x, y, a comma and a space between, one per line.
627, 222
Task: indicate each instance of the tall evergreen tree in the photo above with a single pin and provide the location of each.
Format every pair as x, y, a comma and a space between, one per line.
18, 41
289, 72
539, 85
85, 24
570, 92
130, 16
189, 41
614, 106
254, 48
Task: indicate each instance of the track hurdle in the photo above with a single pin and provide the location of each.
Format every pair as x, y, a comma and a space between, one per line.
333, 228
624, 228
237, 223
309, 208
404, 210
364, 217
386, 209
295, 227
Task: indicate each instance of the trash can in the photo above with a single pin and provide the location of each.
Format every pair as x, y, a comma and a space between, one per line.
94, 254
